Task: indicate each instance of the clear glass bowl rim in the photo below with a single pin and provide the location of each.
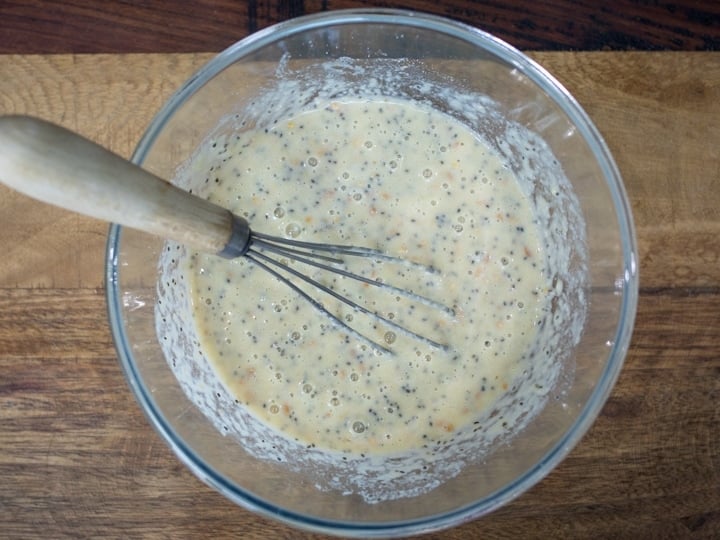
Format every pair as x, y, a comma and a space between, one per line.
618, 350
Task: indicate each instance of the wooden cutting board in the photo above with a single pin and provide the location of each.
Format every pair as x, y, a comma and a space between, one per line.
78, 459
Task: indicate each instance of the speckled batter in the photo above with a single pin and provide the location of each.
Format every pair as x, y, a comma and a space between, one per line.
386, 174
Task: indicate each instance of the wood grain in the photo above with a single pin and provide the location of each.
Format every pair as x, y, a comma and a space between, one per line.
658, 125
76, 91
88, 26
57, 166
78, 458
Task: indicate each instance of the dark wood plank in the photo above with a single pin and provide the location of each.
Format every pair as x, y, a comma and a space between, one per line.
88, 26
78, 458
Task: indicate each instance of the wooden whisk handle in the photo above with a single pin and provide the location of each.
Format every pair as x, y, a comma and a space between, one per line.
55, 165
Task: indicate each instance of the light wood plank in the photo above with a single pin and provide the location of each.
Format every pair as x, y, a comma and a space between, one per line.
664, 142
110, 99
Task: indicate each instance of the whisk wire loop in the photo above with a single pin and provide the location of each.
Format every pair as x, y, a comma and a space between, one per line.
307, 253
255, 258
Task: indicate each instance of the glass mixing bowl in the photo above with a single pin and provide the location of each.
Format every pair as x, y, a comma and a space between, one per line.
504, 90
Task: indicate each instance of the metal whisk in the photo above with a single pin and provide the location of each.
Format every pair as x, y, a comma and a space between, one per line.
57, 166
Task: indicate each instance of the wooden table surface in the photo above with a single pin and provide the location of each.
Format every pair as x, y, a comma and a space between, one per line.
78, 458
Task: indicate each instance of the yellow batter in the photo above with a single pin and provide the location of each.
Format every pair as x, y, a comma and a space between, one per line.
415, 183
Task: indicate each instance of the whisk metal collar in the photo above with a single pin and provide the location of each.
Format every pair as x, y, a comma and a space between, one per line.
239, 242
